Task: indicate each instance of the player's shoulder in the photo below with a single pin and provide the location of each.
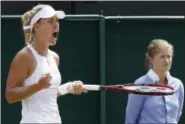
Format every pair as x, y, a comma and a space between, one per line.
23, 55
22, 58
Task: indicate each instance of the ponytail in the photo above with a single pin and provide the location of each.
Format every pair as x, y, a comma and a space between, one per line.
26, 19
147, 62
28, 36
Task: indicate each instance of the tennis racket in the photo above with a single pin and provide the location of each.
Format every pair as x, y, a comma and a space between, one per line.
143, 89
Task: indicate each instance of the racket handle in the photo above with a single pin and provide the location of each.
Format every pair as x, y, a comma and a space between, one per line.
92, 87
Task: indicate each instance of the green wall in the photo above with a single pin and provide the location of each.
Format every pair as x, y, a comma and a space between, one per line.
126, 44
79, 50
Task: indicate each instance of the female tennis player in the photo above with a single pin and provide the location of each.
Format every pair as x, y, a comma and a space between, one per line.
142, 109
34, 77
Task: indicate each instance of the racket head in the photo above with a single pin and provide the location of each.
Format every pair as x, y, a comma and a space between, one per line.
143, 89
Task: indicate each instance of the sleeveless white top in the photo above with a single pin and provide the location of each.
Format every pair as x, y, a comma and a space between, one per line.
42, 106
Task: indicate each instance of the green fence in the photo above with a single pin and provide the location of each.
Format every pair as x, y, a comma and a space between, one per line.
97, 50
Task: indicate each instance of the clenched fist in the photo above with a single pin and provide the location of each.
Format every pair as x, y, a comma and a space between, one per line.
44, 81
76, 87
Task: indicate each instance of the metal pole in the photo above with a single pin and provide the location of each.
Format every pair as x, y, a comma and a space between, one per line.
102, 70
108, 17
144, 17
68, 17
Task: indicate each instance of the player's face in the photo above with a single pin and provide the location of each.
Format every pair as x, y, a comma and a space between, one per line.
163, 59
49, 29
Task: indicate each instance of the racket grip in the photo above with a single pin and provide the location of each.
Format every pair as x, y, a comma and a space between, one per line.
92, 87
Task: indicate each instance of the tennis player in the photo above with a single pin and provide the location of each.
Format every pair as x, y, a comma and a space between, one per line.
142, 109
34, 77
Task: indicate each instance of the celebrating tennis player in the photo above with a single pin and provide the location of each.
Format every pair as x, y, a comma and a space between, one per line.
144, 109
34, 77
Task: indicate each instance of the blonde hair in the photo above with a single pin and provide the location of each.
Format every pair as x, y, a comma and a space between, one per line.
26, 19
155, 47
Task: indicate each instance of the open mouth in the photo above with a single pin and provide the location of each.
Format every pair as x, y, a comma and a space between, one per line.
55, 35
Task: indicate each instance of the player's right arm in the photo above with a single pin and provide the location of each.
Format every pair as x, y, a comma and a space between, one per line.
19, 71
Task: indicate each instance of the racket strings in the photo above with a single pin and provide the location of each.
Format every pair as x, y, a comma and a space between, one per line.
147, 88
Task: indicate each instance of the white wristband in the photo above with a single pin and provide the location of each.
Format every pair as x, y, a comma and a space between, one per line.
64, 88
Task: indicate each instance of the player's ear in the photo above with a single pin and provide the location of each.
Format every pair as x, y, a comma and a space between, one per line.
36, 25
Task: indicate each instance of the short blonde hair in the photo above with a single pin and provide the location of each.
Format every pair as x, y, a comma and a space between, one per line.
155, 47
26, 19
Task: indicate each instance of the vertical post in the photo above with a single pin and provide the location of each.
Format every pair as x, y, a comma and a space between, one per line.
102, 69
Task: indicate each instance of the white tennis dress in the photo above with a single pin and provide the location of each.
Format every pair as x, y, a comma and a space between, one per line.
42, 106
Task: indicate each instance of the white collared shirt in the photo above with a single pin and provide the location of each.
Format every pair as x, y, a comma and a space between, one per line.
155, 77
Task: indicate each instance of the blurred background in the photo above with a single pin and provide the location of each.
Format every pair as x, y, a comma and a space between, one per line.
96, 50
